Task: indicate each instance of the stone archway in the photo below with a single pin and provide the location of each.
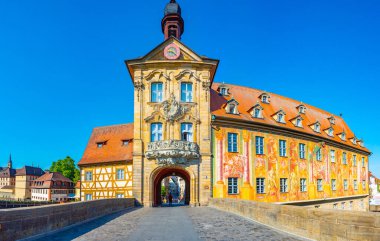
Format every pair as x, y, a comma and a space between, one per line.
165, 172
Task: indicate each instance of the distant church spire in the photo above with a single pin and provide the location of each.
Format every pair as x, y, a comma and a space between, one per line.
10, 161
172, 23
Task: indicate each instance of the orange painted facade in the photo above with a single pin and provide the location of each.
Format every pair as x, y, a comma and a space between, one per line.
271, 166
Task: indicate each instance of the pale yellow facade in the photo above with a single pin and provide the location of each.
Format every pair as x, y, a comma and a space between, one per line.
104, 182
22, 187
189, 68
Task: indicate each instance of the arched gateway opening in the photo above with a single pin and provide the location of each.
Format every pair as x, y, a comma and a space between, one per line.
166, 172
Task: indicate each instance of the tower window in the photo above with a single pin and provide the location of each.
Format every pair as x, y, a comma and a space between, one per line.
156, 132
156, 93
187, 131
186, 92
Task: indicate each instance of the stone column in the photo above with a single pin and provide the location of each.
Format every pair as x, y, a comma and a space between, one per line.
246, 189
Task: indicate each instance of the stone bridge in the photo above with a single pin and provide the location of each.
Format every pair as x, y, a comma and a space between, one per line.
224, 219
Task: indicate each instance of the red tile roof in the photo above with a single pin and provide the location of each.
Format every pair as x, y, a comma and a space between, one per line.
249, 97
52, 179
113, 148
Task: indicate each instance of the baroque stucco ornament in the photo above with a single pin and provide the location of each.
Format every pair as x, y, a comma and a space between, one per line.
173, 110
172, 152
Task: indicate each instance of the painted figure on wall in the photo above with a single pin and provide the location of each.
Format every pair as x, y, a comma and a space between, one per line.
233, 165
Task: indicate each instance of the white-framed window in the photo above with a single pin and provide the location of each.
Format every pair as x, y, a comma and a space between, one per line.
187, 132
282, 144
257, 113
232, 142
343, 136
317, 127
363, 162
120, 174
223, 91
354, 160
156, 92
265, 98
319, 185
333, 184
299, 122
303, 184
88, 175
260, 185
332, 120
119, 195
283, 185
363, 184
259, 145
332, 155
232, 185
345, 184
344, 156
156, 132
318, 155
355, 184
186, 92
280, 117
88, 197
232, 108
302, 150
330, 131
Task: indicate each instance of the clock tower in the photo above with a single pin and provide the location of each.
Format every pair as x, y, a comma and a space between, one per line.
172, 120
172, 24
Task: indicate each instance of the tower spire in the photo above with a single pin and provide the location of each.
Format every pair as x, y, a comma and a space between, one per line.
10, 161
172, 23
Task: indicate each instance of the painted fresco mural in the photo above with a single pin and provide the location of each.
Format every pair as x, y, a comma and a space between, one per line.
246, 165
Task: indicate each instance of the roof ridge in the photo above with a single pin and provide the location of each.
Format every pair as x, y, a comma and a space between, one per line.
115, 125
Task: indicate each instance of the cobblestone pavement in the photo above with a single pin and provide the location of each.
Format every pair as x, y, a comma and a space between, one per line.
170, 223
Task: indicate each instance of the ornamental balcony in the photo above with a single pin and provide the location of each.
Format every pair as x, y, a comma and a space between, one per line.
171, 152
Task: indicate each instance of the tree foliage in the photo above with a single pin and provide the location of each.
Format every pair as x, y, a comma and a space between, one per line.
67, 167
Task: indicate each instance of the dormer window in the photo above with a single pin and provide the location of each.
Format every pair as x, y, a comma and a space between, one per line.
101, 144
343, 136
231, 107
332, 120
301, 109
264, 98
280, 116
223, 90
354, 140
125, 142
299, 122
330, 131
317, 127
257, 111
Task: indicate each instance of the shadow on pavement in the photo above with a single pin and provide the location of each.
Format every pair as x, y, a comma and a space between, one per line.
77, 230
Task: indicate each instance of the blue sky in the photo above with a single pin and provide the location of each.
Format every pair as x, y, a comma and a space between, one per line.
62, 66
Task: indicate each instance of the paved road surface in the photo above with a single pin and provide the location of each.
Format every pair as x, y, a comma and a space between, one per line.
171, 223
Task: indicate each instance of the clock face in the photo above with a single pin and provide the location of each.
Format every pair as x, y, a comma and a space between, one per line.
172, 51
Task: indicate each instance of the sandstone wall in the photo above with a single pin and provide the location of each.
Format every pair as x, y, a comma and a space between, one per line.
25, 222
314, 223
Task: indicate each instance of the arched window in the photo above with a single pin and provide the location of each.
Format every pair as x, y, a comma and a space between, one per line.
187, 132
